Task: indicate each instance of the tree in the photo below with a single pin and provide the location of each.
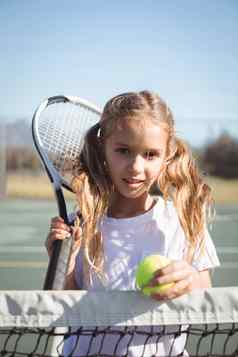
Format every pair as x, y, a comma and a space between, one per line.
220, 158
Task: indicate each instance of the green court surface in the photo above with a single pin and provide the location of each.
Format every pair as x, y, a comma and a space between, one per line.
24, 227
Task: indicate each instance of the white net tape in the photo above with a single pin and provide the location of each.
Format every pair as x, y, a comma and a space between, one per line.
103, 308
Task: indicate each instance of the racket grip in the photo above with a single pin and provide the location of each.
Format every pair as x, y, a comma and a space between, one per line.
50, 275
58, 264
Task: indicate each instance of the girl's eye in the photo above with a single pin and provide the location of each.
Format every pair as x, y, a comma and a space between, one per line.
123, 151
151, 155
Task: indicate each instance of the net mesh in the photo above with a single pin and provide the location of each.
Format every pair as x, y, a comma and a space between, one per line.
117, 323
217, 340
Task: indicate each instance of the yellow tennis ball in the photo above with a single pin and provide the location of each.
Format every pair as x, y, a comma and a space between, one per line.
145, 272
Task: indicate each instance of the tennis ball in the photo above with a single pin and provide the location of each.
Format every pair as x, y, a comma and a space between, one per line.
145, 272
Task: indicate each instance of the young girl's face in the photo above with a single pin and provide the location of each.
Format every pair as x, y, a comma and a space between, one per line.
134, 155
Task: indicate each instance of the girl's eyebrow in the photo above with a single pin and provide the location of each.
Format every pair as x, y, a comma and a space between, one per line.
121, 144
129, 146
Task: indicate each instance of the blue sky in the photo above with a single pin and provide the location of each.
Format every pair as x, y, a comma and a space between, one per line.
185, 50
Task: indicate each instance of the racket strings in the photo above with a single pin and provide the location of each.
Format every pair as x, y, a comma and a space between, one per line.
61, 128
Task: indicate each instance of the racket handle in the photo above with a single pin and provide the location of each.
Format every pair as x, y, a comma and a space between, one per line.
58, 265
52, 266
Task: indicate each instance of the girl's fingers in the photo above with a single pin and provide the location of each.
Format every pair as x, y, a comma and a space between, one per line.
173, 267
57, 218
55, 234
58, 222
178, 289
182, 287
164, 273
161, 277
174, 272
60, 231
172, 277
58, 225
59, 234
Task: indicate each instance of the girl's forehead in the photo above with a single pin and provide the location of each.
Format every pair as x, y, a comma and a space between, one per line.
137, 125
136, 132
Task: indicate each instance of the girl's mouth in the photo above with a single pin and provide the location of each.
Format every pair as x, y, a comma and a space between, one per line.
131, 181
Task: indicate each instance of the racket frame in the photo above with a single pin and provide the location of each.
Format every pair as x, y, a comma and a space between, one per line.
53, 279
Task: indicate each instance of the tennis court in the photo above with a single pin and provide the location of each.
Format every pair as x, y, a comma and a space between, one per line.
23, 262
24, 227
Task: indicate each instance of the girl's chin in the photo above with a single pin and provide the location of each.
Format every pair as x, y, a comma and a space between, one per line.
132, 194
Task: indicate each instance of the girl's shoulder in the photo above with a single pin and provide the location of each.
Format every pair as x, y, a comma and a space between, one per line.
167, 220
166, 209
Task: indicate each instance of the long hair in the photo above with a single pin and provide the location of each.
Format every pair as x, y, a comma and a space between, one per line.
179, 179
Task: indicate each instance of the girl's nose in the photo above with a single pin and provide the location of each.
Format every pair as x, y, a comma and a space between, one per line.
136, 164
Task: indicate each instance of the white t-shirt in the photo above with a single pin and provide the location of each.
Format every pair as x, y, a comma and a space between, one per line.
126, 242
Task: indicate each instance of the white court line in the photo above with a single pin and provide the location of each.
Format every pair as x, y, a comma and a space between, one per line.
226, 217
228, 265
22, 249
22, 264
227, 250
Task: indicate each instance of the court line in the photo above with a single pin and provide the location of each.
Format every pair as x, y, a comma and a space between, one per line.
226, 217
22, 249
227, 250
228, 265
22, 264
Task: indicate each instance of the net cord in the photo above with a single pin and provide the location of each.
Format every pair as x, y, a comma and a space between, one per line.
115, 308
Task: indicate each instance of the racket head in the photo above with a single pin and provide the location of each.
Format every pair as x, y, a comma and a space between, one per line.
58, 127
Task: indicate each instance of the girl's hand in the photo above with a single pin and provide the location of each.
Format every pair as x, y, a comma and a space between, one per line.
59, 230
185, 278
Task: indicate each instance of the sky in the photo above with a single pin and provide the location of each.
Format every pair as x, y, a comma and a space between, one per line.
187, 51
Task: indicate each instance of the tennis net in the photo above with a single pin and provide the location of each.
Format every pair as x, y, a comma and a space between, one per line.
118, 323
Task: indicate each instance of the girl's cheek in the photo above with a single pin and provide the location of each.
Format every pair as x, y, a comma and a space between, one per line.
154, 173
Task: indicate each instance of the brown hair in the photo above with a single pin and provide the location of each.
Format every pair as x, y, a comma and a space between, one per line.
179, 179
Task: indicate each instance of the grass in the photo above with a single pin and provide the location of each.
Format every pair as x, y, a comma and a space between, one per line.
30, 187
224, 191
38, 187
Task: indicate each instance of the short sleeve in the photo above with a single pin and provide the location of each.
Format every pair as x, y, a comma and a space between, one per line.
205, 255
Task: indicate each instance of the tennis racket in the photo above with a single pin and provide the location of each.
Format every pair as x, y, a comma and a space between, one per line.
58, 126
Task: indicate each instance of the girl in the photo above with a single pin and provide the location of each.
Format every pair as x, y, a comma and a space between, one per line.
132, 149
